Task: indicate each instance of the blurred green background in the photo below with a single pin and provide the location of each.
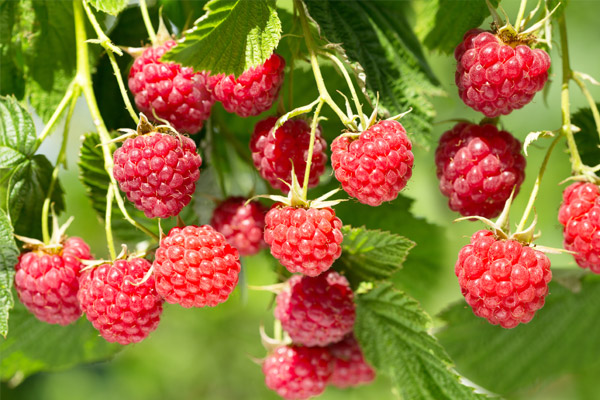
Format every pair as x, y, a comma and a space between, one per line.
208, 353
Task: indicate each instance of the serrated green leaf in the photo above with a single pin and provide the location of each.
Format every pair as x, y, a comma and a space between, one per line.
378, 42
587, 139
9, 254
392, 330
233, 36
369, 255
36, 346
27, 189
559, 340
442, 23
112, 7
17, 133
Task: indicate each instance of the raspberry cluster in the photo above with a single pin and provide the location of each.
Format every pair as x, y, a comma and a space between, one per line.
158, 172
478, 166
172, 92
196, 267
502, 280
114, 301
254, 91
579, 214
274, 154
374, 167
304, 240
494, 77
242, 223
47, 281
316, 311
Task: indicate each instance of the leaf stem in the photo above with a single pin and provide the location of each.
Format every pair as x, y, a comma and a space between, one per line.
148, 23
57, 113
311, 146
108, 223
593, 107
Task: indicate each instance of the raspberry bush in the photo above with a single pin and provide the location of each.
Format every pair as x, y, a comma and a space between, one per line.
263, 199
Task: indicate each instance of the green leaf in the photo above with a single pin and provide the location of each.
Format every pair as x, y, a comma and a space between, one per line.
37, 346
27, 189
11, 74
112, 7
587, 139
233, 36
559, 340
442, 23
369, 256
378, 42
9, 254
17, 133
393, 332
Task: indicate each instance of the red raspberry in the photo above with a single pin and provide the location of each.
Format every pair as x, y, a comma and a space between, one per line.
116, 305
502, 280
196, 267
274, 155
175, 93
350, 368
478, 166
296, 372
304, 240
580, 215
374, 167
242, 224
254, 91
316, 311
158, 172
47, 281
494, 77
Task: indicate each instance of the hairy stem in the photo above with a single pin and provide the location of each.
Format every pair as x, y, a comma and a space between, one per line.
148, 23
590, 100
357, 104
311, 147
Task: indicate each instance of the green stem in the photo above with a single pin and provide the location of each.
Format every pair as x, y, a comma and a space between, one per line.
311, 146
57, 113
589, 98
310, 45
108, 223
576, 164
520, 15
357, 104
59, 160
536, 185
148, 23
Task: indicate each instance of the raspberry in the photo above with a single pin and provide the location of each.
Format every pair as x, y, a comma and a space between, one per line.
175, 93
47, 281
242, 224
158, 172
316, 311
478, 166
254, 91
116, 304
580, 215
274, 155
502, 280
304, 240
374, 167
296, 372
494, 77
350, 368
196, 267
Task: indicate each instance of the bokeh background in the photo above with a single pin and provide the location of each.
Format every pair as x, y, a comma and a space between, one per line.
210, 353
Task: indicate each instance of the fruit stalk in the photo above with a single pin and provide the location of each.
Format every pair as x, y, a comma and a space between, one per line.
588, 96
70, 93
148, 23
311, 146
107, 226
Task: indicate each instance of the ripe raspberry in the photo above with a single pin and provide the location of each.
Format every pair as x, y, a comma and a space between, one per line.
316, 311
502, 280
254, 91
242, 224
175, 93
120, 309
158, 172
478, 166
47, 281
494, 77
274, 155
580, 215
350, 368
304, 240
196, 267
374, 167
297, 372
